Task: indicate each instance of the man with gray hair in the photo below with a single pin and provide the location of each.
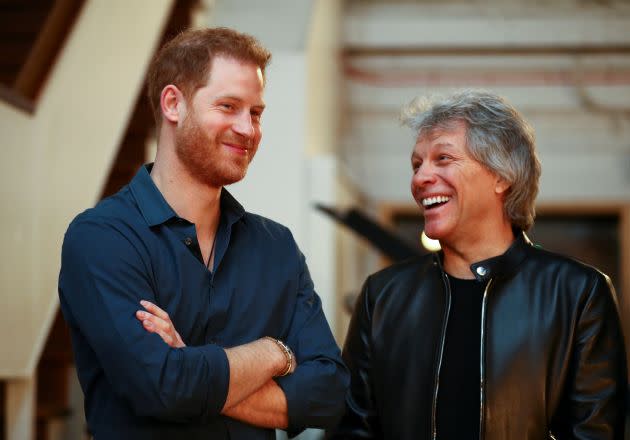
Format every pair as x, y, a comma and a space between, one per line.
491, 338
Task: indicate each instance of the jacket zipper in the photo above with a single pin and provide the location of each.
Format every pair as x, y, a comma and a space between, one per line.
436, 386
482, 383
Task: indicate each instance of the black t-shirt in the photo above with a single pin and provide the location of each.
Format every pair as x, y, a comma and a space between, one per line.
458, 405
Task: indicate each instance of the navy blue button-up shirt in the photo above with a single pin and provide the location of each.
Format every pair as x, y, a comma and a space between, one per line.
133, 246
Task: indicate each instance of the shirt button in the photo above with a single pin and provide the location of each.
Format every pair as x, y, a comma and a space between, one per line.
481, 271
188, 241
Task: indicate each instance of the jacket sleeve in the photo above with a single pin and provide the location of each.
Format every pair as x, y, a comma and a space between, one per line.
104, 275
360, 420
315, 390
596, 390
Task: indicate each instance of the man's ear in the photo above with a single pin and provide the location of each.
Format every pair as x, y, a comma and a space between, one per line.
172, 103
501, 186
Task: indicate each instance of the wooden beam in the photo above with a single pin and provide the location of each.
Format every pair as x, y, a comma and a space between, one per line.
16, 99
47, 46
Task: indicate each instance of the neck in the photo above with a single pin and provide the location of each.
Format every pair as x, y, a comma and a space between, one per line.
460, 255
190, 199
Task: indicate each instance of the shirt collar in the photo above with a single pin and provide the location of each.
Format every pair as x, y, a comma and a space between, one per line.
152, 204
156, 210
230, 207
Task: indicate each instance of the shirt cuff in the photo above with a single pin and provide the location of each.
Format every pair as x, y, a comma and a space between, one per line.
219, 378
297, 408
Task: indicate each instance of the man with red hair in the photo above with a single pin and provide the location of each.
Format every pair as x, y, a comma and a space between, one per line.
190, 317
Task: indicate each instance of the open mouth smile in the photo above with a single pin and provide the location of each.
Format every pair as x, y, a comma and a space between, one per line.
435, 201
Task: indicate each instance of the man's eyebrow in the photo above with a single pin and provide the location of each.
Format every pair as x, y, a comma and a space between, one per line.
239, 99
441, 145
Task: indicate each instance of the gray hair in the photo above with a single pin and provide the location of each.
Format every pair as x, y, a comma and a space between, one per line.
497, 137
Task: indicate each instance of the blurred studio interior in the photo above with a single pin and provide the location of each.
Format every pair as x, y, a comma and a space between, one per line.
333, 164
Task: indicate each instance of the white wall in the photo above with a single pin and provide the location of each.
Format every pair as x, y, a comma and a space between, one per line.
276, 180
295, 165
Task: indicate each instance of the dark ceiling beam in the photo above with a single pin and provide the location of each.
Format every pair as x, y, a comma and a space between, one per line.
386, 241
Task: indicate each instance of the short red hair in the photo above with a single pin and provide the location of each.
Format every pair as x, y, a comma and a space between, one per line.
186, 60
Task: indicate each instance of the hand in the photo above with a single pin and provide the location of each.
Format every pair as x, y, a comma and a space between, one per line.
156, 320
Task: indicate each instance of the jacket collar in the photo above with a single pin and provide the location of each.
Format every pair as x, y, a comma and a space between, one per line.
505, 264
501, 265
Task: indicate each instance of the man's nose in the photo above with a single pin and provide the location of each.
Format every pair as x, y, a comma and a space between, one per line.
244, 125
423, 175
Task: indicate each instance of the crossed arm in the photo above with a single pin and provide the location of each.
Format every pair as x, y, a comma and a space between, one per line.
253, 396
99, 289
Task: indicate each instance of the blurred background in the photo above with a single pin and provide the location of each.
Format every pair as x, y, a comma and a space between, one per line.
334, 161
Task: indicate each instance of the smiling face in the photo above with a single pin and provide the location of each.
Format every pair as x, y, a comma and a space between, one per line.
220, 133
461, 199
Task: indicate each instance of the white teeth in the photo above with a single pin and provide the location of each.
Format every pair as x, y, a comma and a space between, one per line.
433, 200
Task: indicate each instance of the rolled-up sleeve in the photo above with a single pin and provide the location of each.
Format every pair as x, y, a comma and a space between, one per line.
315, 391
104, 275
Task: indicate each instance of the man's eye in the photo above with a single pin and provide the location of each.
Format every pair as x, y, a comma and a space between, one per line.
227, 106
256, 116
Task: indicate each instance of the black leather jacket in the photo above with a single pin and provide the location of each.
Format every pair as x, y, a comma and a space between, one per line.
552, 353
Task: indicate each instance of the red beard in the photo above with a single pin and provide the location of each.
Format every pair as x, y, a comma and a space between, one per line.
206, 159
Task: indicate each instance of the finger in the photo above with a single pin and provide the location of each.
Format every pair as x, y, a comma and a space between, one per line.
142, 316
173, 340
148, 326
165, 337
155, 322
152, 308
151, 328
